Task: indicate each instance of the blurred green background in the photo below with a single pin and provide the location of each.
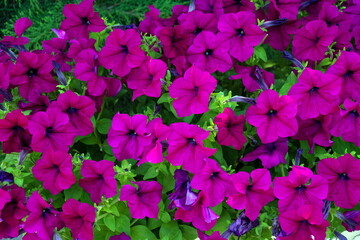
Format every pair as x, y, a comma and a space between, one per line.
47, 14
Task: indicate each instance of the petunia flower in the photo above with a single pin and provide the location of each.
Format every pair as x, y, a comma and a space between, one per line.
186, 147
251, 195
215, 236
33, 71
122, 51
305, 223
182, 197
242, 33
351, 220
192, 92
287, 9
143, 201
21, 25
151, 21
42, 219
270, 154
36, 103
6, 177
235, 6
58, 47
128, 136
79, 217
210, 6
241, 226
230, 129
347, 69
200, 215
79, 110
214, 182
77, 45
295, 190
209, 52
318, 90
122, 236
99, 179
80, 19
4, 198
146, 80
54, 169
312, 40
273, 116
343, 178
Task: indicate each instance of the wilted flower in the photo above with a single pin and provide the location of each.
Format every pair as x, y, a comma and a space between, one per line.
241, 226
182, 197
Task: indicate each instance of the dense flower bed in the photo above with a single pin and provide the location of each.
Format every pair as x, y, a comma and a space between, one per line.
228, 117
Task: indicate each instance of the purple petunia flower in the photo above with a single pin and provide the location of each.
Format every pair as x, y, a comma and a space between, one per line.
143, 201
210, 6
80, 19
54, 169
4, 198
99, 179
343, 175
251, 196
128, 136
294, 191
122, 236
174, 40
192, 92
36, 103
241, 226
209, 52
21, 25
273, 116
230, 129
182, 197
270, 154
215, 236
59, 48
235, 6
242, 33
77, 45
352, 221
42, 219
186, 147
79, 217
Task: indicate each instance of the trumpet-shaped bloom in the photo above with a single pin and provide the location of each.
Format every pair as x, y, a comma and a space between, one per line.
99, 179
192, 92
235, 6
231, 129
273, 116
251, 196
128, 136
294, 191
54, 169
186, 147
174, 41
143, 201
343, 175
183, 197
79, 217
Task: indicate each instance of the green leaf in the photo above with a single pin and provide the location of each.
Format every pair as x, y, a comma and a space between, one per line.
109, 221
189, 233
165, 217
140, 232
165, 98
260, 53
290, 81
123, 224
89, 140
74, 192
103, 125
170, 231
151, 173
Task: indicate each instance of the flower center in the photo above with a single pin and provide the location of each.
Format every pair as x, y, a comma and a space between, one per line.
349, 73
45, 211
354, 113
214, 175
300, 188
240, 32
314, 89
197, 31
191, 141
238, 2
132, 133
124, 49
196, 88
208, 52
17, 128
85, 21
32, 72
343, 176
271, 113
49, 130
72, 110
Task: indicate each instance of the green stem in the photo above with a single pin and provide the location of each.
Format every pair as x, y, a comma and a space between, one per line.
133, 222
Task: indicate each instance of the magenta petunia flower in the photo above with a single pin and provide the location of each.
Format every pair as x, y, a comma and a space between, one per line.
235, 6
51, 129
312, 40
287, 8
36, 103
352, 221
186, 147
59, 48
251, 76
13, 211
295, 190
143, 201
99, 179
210, 6
273, 116
270, 154
21, 25
343, 175
214, 182
122, 236
14, 132
128, 136
347, 69
230, 129
182, 197
122, 51
78, 45
346, 122
5, 197
42, 219
54, 169
192, 92
79, 217
153, 153
79, 110
146, 80
240, 226
316, 93
251, 195
306, 223
200, 215
209, 52
242, 33
215, 236
80, 19
151, 21
33, 71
